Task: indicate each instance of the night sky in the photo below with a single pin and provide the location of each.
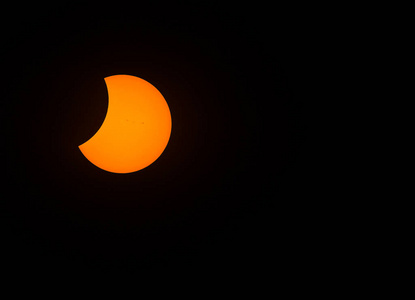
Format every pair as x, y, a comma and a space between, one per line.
230, 190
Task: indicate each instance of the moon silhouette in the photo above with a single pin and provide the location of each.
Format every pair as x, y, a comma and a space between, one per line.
136, 129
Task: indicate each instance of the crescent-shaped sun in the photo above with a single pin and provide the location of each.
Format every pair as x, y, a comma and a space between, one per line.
136, 129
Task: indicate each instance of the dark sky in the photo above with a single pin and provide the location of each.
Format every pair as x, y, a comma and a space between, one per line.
230, 190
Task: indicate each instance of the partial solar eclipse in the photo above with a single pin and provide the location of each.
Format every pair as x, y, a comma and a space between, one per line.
136, 129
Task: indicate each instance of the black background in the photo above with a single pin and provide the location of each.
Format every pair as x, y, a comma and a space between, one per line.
230, 191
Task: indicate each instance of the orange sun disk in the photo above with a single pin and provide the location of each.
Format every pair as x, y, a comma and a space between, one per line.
136, 129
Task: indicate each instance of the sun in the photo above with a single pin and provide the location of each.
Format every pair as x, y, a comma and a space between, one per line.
136, 129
